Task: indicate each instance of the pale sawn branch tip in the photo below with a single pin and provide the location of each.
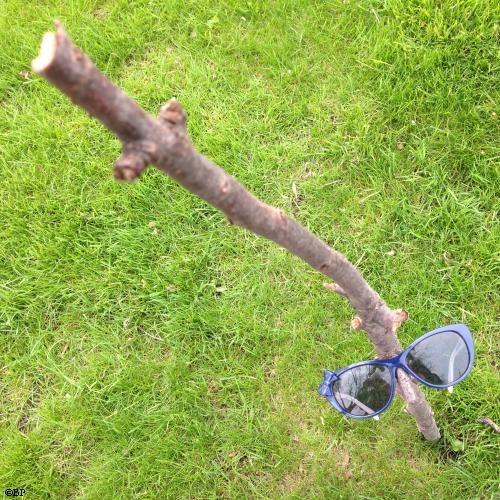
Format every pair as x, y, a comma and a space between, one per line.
47, 53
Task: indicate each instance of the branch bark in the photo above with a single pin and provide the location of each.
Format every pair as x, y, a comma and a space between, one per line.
164, 142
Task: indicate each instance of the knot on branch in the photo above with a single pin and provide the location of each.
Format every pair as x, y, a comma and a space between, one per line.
172, 113
399, 317
356, 323
135, 157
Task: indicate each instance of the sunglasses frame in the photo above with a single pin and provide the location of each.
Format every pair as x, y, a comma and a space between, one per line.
399, 361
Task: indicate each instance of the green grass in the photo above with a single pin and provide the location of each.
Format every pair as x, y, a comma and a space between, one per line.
182, 360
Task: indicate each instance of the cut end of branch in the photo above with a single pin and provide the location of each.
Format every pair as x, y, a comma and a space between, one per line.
335, 288
400, 316
135, 157
128, 167
173, 113
125, 174
356, 323
47, 53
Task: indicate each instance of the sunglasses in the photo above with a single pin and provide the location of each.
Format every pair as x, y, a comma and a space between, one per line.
440, 359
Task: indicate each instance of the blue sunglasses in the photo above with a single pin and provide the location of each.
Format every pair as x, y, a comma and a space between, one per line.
440, 358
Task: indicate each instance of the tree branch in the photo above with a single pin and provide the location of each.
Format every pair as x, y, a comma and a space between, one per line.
487, 421
164, 143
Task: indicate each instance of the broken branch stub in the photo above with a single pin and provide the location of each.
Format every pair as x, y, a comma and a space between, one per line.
164, 142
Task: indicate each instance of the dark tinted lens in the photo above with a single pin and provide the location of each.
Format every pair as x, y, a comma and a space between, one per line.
363, 390
440, 359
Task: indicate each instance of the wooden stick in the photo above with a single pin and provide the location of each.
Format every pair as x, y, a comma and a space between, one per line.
164, 142
488, 422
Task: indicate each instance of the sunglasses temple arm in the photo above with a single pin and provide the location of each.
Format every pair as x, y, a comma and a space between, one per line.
358, 403
451, 366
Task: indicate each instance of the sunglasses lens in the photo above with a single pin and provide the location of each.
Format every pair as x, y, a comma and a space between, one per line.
363, 390
440, 359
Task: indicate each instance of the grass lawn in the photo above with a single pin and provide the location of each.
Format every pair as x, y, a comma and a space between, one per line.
150, 350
